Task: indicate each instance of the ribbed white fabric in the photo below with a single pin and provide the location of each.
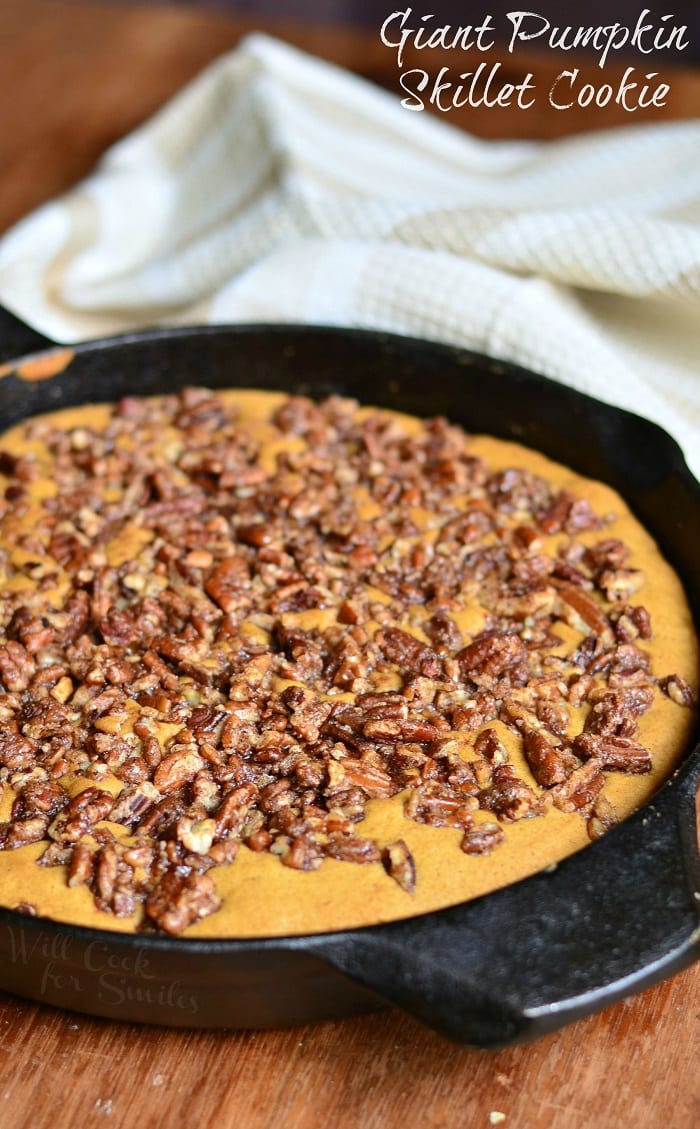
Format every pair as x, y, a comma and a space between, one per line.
278, 188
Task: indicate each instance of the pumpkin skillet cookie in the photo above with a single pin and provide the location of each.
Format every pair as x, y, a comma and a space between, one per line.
271, 666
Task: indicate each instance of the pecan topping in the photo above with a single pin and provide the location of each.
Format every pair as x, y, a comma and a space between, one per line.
220, 653
491, 654
620, 754
181, 899
400, 865
679, 691
481, 838
548, 767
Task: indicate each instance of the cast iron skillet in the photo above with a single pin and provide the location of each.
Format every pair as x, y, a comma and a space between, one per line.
506, 967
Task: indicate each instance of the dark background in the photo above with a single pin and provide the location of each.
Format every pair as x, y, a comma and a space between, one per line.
371, 13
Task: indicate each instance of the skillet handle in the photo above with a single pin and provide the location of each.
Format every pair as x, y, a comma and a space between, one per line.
513, 965
18, 339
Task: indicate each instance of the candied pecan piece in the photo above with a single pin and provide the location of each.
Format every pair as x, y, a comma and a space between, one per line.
20, 832
177, 768
227, 581
32, 631
612, 709
619, 584
81, 869
489, 745
466, 528
76, 612
39, 797
196, 836
300, 852
602, 818
553, 715
545, 762
400, 865
348, 613
475, 712
492, 654
353, 773
27, 908
409, 653
442, 807
383, 705
618, 754
628, 658
568, 513
610, 553
179, 899
482, 838
518, 490
349, 803
134, 803
306, 715
17, 666
585, 606
393, 730
205, 720
580, 788
106, 874
16, 751
509, 797
234, 808
352, 849
641, 619
159, 821
301, 650
679, 691
83, 812
443, 632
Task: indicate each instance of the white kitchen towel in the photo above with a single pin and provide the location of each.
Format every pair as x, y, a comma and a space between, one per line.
276, 187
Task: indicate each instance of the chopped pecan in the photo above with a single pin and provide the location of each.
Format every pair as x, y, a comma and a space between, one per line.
352, 849
482, 838
603, 817
82, 865
234, 809
409, 653
679, 691
509, 797
176, 769
580, 788
39, 798
301, 852
617, 754
489, 745
491, 654
393, 730
179, 899
443, 632
585, 607
400, 865
17, 666
611, 710
547, 766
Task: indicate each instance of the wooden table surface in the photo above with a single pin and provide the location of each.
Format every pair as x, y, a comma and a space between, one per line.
75, 78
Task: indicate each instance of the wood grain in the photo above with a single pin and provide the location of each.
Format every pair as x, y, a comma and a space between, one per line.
75, 78
633, 1065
